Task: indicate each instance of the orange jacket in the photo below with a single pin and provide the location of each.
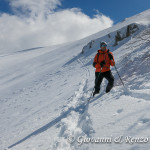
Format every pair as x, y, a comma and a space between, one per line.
101, 56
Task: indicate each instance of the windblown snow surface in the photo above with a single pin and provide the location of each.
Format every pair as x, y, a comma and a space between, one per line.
44, 94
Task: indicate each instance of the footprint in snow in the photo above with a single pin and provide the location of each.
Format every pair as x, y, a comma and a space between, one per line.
145, 120
120, 110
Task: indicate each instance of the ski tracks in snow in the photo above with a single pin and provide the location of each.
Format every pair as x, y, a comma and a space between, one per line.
78, 122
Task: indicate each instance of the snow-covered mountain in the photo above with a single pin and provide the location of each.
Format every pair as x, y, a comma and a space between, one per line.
44, 94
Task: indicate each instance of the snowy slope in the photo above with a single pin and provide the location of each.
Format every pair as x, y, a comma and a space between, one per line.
44, 93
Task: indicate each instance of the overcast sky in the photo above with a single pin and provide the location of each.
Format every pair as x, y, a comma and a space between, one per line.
33, 23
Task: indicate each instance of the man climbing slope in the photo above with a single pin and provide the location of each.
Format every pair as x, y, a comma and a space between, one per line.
102, 62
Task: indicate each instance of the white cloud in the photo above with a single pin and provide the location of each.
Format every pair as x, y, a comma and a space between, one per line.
37, 23
34, 8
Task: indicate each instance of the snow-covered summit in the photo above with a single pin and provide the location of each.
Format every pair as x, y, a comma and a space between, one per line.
44, 93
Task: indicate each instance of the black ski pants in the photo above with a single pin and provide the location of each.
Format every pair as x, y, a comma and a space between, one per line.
99, 78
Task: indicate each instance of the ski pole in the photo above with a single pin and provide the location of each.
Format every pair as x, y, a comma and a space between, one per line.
91, 95
119, 75
117, 72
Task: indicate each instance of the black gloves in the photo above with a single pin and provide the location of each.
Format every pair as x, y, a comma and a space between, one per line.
102, 63
94, 63
110, 56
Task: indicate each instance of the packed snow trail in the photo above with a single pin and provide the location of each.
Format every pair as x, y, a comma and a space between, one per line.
77, 122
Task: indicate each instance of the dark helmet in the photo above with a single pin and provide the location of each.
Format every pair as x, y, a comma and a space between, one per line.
103, 43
